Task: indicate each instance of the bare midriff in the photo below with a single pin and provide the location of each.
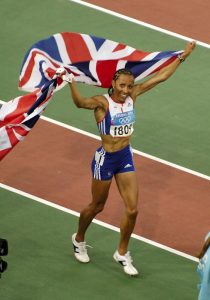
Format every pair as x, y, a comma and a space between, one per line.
113, 144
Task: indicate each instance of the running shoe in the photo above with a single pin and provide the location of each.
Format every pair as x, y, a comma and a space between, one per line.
80, 250
126, 262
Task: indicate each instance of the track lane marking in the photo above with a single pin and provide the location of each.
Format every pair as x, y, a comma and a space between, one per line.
140, 153
162, 161
100, 223
106, 225
141, 23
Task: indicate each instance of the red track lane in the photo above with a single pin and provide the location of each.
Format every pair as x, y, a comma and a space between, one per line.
54, 163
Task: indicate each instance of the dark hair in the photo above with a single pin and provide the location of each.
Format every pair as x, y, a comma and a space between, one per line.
117, 75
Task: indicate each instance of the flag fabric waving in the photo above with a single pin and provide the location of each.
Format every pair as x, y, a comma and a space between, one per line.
18, 116
93, 60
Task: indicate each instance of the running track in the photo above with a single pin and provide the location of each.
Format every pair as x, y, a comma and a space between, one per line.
169, 197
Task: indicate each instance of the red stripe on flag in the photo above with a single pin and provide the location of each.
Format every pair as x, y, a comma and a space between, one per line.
30, 66
25, 102
76, 47
20, 130
168, 62
136, 55
105, 71
12, 137
3, 153
119, 47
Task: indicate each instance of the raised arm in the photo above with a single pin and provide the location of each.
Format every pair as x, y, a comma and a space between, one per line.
80, 101
83, 102
163, 74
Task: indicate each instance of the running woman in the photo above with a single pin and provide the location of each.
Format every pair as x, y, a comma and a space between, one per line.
115, 117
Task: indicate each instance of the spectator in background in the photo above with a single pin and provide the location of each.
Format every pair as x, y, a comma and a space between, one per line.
204, 270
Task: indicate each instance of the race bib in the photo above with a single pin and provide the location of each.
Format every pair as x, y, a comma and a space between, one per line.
122, 130
122, 124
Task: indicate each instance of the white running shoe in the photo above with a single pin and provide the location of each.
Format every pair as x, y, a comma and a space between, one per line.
126, 262
80, 250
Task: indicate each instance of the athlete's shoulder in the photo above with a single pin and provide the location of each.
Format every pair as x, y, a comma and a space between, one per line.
129, 99
102, 98
102, 101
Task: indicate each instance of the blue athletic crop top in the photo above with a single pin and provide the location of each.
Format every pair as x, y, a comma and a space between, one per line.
119, 119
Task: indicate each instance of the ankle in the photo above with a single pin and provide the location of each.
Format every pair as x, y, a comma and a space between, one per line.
79, 239
122, 252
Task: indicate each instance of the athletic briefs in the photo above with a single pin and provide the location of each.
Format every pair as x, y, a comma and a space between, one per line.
106, 164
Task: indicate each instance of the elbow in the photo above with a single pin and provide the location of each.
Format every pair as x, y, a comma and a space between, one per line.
78, 105
164, 77
77, 102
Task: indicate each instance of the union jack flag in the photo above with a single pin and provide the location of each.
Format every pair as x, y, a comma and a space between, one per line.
18, 116
93, 60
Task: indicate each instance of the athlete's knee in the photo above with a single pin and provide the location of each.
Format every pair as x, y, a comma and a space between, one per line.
132, 213
97, 207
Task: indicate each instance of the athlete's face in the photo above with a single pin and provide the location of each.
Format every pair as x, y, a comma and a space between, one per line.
122, 87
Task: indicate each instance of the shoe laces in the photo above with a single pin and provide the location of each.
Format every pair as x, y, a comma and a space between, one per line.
129, 259
83, 247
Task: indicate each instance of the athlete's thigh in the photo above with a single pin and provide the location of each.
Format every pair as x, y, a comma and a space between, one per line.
100, 190
128, 188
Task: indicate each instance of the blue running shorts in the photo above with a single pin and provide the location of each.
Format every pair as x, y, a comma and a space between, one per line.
106, 164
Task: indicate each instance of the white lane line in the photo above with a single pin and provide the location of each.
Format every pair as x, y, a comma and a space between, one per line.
103, 224
162, 161
91, 135
156, 28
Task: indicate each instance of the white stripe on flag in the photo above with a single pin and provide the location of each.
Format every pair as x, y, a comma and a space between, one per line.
18, 136
90, 45
4, 140
152, 68
8, 107
62, 49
